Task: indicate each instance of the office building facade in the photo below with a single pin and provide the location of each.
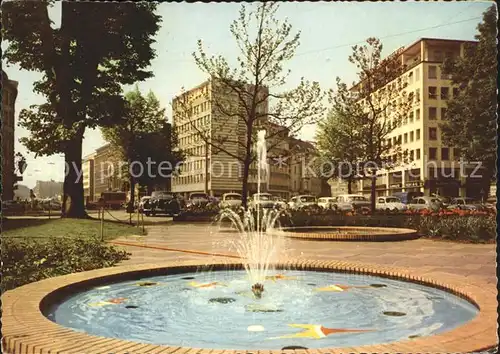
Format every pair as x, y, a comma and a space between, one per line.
432, 167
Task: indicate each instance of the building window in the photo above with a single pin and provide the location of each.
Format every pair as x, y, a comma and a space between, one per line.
456, 153
417, 74
417, 153
410, 78
417, 114
411, 117
418, 134
400, 139
455, 92
432, 72
432, 113
406, 138
443, 113
432, 92
417, 95
432, 153
411, 136
438, 55
445, 93
412, 155
445, 154
432, 133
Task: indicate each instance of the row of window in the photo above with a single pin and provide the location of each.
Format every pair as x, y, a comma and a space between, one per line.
445, 153
398, 140
193, 124
433, 154
444, 92
189, 179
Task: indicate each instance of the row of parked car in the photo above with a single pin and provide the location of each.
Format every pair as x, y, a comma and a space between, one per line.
162, 202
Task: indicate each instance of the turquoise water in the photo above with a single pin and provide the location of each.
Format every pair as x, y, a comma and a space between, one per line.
172, 310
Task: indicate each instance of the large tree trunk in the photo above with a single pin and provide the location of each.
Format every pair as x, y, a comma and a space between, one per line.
73, 200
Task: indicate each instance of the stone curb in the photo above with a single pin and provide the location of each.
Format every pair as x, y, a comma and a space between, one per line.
361, 234
27, 330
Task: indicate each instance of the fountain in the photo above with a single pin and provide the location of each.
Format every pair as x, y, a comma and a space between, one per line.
305, 305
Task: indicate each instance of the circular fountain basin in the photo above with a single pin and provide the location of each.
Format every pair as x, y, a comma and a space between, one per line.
331, 305
346, 233
217, 310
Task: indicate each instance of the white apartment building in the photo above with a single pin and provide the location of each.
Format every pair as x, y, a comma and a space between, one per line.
434, 168
205, 167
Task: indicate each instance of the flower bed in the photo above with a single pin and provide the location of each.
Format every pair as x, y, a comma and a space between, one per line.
458, 225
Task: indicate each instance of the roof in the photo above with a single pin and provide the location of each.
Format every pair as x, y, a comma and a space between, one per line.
301, 144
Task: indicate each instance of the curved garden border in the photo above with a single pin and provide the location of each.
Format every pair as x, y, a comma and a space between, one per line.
27, 330
367, 234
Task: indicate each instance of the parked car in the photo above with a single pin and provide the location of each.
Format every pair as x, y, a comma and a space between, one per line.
389, 203
350, 202
421, 203
302, 201
198, 199
466, 203
164, 203
327, 202
407, 197
12, 207
145, 206
445, 201
279, 202
263, 200
230, 200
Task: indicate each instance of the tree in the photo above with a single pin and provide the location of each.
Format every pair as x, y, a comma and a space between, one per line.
98, 47
335, 136
241, 98
143, 138
373, 108
470, 122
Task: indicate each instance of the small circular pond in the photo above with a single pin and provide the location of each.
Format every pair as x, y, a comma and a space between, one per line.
217, 310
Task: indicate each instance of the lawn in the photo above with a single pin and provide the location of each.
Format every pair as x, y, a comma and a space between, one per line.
41, 228
35, 249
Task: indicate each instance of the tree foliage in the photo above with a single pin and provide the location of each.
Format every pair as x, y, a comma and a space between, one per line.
471, 122
371, 110
251, 93
97, 48
143, 137
335, 136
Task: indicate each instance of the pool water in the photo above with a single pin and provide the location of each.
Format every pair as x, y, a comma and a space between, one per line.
216, 310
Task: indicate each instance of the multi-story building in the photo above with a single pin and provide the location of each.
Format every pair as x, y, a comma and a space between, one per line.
48, 189
212, 170
434, 168
304, 176
107, 172
9, 178
88, 177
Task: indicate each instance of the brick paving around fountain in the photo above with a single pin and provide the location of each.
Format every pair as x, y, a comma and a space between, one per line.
466, 268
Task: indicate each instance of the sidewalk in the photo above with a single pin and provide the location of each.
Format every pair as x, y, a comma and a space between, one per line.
470, 260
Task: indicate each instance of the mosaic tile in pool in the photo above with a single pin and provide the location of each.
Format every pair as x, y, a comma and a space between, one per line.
298, 308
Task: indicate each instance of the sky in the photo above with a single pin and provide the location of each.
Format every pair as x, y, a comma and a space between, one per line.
328, 31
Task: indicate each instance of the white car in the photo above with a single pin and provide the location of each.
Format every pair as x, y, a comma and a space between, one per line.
302, 201
279, 202
350, 202
389, 203
326, 202
230, 200
421, 203
263, 200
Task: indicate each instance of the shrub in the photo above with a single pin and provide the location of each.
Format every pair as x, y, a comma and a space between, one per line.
26, 261
473, 226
